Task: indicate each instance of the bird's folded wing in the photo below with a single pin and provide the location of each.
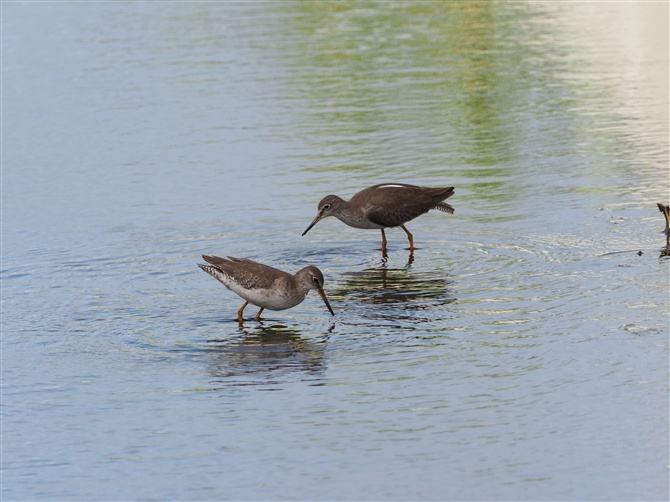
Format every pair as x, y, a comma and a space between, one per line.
403, 212
247, 273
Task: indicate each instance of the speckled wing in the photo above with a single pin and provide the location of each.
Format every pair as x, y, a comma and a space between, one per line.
247, 273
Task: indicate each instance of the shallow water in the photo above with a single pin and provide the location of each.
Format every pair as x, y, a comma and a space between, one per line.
522, 354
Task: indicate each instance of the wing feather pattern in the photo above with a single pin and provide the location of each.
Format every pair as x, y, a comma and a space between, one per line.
408, 202
247, 273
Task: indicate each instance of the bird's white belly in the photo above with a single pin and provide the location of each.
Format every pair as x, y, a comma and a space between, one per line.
265, 298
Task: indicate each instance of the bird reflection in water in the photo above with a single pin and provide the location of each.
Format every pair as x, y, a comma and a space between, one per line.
395, 291
665, 252
267, 355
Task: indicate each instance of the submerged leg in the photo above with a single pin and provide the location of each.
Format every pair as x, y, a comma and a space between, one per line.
258, 316
411, 239
240, 319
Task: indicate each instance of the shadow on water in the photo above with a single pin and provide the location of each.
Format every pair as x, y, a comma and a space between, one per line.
266, 355
385, 293
665, 252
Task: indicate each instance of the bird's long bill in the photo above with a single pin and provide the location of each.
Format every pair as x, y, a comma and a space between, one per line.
325, 300
316, 220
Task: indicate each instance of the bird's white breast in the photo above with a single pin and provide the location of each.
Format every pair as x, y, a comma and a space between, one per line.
270, 299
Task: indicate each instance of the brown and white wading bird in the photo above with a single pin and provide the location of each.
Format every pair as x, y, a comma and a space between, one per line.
264, 286
385, 206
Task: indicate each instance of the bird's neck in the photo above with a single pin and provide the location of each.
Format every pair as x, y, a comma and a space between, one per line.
348, 213
354, 216
301, 285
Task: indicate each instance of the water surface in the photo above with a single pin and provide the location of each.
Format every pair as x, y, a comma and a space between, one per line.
521, 355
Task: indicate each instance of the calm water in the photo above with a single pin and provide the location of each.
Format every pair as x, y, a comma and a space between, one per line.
510, 360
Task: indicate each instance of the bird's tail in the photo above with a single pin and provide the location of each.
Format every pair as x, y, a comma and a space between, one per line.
209, 269
440, 194
214, 272
443, 206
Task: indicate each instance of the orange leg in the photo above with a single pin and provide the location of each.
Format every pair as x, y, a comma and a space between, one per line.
240, 319
383, 243
411, 239
258, 316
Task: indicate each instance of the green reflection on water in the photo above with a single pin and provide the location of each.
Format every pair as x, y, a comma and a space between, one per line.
456, 91
438, 73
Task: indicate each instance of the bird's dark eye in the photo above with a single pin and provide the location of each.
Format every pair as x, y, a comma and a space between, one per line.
326, 206
315, 279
